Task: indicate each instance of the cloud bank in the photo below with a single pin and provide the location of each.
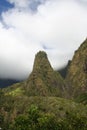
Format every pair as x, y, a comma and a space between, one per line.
55, 26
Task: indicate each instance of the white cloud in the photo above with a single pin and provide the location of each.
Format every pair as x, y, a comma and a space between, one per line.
83, 0
21, 3
60, 26
27, 4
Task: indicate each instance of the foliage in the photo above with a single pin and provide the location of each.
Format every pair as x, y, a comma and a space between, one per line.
77, 72
36, 120
1, 120
44, 81
82, 98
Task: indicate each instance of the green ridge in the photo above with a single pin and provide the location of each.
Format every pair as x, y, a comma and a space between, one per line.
77, 72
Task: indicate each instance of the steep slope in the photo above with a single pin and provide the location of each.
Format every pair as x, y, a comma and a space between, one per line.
63, 71
77, 72
44, 81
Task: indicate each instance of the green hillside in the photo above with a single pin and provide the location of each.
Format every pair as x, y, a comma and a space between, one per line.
40, 103
54, 113
43, 81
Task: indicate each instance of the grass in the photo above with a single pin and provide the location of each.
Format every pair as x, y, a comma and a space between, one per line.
15, 92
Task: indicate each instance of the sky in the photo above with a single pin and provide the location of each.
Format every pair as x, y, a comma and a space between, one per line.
57, 27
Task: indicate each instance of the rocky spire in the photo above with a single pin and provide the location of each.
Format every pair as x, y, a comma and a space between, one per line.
43, 80
41, 62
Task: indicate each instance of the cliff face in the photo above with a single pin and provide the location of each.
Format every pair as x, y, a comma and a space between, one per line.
43, 80
77, 72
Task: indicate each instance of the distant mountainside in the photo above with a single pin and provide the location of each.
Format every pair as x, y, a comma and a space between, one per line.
7, 82
77, 71
63, 71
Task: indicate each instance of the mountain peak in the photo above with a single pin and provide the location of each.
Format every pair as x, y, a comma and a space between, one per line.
41, 54
43, 80
41, 62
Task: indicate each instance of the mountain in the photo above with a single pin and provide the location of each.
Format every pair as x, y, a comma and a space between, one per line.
77, 72
39, 103
7, 82
63, 71
43, 80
